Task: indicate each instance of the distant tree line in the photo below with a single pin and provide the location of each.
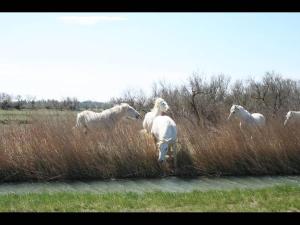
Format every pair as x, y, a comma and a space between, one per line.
8, 102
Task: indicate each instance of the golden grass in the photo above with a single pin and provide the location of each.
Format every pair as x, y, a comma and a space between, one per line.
48, 149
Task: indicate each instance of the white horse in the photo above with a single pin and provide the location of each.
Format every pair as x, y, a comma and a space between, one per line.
107, 118
160, 107
292, 116
245, 117
165, 134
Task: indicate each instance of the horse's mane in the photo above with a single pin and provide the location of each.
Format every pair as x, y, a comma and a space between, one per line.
156, 102
118, 108
238, 106
241, 107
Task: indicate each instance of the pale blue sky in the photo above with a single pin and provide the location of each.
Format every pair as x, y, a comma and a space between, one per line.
97, 56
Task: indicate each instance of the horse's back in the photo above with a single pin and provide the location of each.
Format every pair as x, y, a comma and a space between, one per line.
296, 113
293, 116
87, 114
85, 117
164, 128
259, 118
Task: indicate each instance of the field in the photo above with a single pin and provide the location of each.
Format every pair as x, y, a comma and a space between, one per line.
18, 117
41, 145
275, 199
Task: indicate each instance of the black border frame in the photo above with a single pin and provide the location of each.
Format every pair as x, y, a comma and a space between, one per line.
150, 6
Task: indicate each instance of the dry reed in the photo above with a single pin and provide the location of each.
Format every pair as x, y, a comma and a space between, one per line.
48, 149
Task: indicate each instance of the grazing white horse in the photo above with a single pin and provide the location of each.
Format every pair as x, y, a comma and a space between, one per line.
292, 116
165, 134
245, 117
160, 107
107, 118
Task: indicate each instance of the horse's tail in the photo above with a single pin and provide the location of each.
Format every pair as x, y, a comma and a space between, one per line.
79, 120
78, 123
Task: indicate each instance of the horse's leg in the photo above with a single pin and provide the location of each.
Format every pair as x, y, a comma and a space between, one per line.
246, 130
175, 157
241, 129
161, 157
74, 129
86, 129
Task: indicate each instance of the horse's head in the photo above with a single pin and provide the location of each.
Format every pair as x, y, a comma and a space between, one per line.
130, 112
288, 117
161, 105
234, 110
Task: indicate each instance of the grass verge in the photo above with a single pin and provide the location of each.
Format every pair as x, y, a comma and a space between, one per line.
283, 198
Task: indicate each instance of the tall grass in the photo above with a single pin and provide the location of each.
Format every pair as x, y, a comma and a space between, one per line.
48, 149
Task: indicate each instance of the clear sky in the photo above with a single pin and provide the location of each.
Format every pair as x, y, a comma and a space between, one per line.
97, 56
